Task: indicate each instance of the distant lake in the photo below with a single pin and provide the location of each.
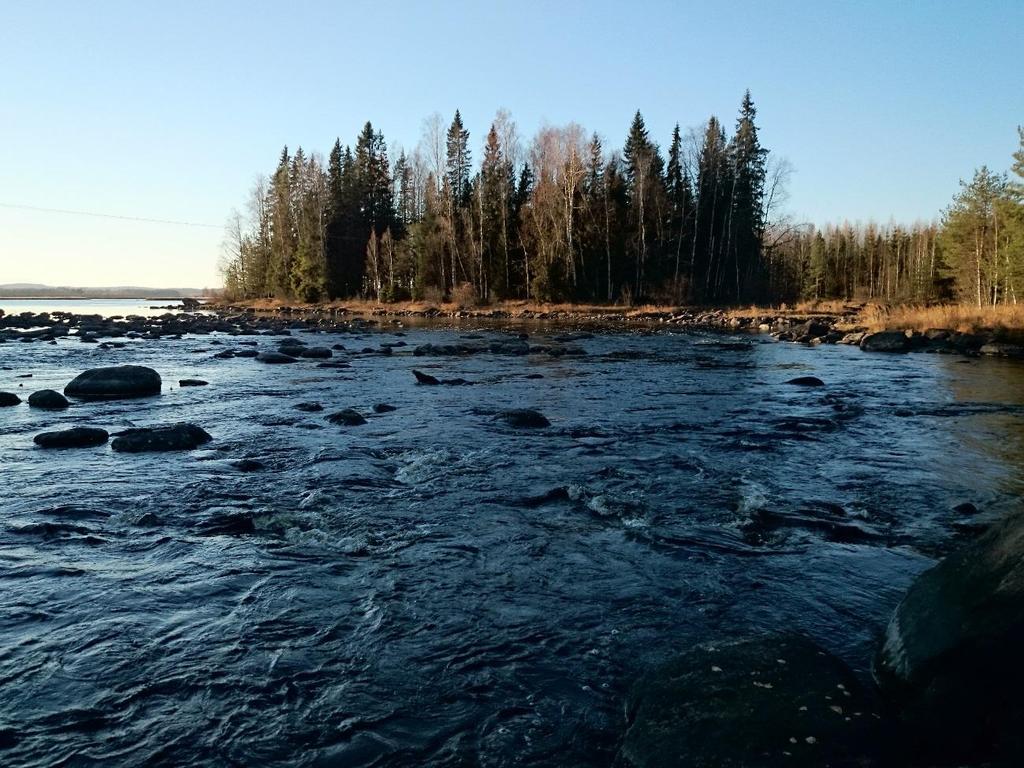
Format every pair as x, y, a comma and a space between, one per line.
104, 307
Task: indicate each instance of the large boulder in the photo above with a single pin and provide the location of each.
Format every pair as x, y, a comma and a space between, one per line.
885, 341
119, 381
8, 399
951, 660
765, 702
48, 399
173, 437
76, 437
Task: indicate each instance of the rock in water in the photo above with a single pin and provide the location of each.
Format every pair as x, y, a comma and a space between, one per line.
524, 417
316, 353
49, 399
8, 399
383, 408
765, 702
192, 383
425, 378
275, 358
248, 465
76, 437
119, 381
885, 341
173, 437
309, 407
951, 660
349, 417
807, 381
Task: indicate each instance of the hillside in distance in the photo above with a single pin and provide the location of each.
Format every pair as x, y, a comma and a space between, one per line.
41, 291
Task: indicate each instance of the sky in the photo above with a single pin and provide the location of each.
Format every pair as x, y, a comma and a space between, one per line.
169, 111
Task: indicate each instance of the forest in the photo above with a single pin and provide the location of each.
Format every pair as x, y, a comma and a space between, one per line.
562, 218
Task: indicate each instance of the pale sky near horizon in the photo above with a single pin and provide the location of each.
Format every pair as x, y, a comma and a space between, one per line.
170, 111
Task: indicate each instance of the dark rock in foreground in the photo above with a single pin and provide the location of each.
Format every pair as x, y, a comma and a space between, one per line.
885, 341
275, 358
49, 399
192, 383
173, 437
524, 417
765, 702
807, 381
349, 417
120, 381
951, 661
8, 399
76, 437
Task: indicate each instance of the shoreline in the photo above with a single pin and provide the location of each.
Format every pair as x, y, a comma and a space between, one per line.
866, 326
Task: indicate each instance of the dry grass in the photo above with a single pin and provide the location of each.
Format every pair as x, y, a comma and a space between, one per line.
1002, 320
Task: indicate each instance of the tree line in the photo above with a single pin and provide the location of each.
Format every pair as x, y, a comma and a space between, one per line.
564, 219
559, 219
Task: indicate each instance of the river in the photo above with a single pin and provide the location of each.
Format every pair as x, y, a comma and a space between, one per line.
435, 587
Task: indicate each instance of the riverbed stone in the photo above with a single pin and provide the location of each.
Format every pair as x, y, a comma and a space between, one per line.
275, 358
525, 418
76, 437
115, 382
885, 341
172, 437
7, 399
192, 383
48, 399
766, 702
1002, 349
806, 381
349, 417
951, 660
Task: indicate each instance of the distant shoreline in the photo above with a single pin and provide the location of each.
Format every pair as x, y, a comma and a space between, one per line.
100, 298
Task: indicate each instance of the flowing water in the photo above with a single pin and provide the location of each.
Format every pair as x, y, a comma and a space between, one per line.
435, 587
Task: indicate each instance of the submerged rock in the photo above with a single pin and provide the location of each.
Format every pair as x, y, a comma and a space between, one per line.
76, 437
383, 408
8, 399
524, 417
309, 407
119, 381
765, 702
807, 381
192, 383
885, 341
48, 399
248, 465
349, 417
172, 437
275, 358
951, 658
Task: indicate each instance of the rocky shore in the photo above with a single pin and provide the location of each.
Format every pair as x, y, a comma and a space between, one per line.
235, 320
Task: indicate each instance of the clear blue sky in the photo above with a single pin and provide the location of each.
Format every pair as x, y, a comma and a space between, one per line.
169, 110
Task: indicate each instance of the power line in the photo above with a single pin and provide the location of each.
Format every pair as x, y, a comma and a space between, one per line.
40, 209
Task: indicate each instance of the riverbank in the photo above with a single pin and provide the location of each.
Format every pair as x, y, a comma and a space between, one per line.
951, 329
874, 328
